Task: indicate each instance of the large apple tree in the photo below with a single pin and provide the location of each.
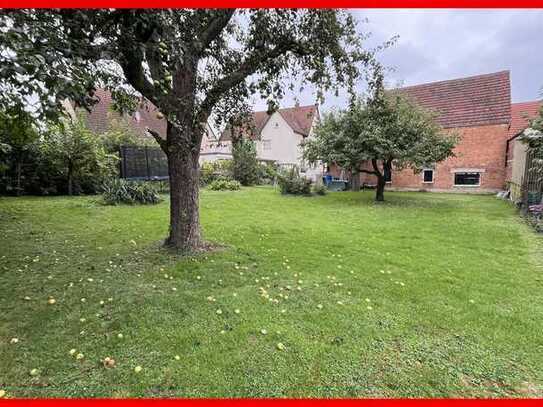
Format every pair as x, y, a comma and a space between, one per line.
192, 64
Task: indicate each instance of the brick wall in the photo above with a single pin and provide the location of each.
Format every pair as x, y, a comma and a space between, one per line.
482, 148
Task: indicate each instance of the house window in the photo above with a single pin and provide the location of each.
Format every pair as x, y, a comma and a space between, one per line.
428, 175
467, 179
266, 144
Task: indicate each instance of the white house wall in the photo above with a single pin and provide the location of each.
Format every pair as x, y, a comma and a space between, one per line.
282, 140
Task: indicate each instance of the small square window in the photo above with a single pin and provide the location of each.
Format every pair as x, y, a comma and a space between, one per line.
266, 144
467, 178
428, 176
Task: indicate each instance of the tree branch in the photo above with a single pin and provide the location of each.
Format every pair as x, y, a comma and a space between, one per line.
248, 67
161, 142
376, 167
214, 28
131, 60
135, 75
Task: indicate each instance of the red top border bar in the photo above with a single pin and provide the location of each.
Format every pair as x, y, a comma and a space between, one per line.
468, 4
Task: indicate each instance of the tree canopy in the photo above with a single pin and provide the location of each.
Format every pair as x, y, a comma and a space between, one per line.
18, 134
384, 129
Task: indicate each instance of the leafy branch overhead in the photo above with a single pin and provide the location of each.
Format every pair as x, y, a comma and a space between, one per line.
223, 55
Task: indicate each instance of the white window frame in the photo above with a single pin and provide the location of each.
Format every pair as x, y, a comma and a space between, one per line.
266, 145
433, 175
467, 172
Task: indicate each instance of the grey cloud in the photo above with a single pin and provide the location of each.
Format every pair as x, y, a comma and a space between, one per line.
445, 44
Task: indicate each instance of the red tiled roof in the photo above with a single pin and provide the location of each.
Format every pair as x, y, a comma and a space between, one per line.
466, 102
102, 114
522, 114
299, 118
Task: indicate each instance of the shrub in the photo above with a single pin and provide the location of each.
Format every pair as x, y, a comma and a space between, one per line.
162, 187
119, 191
320, 189
290, 182
245, 165
267, 173
224, 185
215, 170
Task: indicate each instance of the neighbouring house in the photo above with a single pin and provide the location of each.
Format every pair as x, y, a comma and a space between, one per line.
477, 109
517, 159
103, 117
279, 137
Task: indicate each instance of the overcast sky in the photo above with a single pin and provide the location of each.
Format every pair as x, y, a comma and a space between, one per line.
437, 45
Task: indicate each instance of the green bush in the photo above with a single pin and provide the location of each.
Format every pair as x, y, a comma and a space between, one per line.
290, 182
119, 191
267, 173
214, 170
224, 185
320, 189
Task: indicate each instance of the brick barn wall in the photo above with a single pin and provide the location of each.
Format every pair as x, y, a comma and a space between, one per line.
481, 147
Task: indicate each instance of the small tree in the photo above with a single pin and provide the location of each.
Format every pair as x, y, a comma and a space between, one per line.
17, 134
77, 154
245, 165
386, 130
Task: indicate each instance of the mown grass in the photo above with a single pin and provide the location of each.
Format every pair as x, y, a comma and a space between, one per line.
425, 295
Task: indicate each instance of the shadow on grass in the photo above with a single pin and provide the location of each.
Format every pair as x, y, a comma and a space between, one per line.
401, 200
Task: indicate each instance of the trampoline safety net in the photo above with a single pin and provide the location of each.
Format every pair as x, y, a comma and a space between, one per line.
143, 163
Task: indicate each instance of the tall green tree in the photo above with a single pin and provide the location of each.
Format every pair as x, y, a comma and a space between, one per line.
77, 154
191, 64
18, 134
385, 130
245, 164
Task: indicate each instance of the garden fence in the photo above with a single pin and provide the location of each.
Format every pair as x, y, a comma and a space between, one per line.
532, 185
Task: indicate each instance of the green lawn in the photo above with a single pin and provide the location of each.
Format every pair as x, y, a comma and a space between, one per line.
425, 295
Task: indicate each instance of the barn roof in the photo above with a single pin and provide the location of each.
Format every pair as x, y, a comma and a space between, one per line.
465, 102
521, 115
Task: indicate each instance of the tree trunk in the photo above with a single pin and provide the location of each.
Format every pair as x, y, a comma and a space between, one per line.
70, 180
380, 191
18, 167
184, 204
355, 181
